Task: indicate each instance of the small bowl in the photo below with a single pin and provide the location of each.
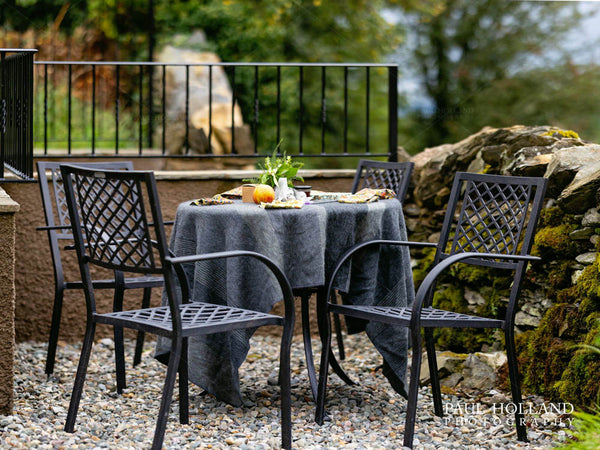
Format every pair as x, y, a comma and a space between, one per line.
305, 189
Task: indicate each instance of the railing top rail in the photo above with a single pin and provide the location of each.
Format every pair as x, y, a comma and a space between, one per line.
225, 64
18, 50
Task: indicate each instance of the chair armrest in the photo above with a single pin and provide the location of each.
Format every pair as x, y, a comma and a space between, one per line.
362, 245
54, 227
444, 264
284, 283
168, 222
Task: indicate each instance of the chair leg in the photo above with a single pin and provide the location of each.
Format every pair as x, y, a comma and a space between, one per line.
323, 369
139, 343
515, 384
54, 329
433, 373
167, 394
118, 333
337, 324
84, 359
285, 387
184, 396
413, 389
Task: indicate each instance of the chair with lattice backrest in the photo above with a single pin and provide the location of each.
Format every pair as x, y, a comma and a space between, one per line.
58, 227
383, 175
494, 227
117, 224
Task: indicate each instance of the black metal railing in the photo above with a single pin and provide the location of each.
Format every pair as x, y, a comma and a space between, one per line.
16, 112
124, 109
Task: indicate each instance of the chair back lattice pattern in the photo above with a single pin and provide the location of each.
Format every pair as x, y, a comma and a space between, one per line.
59, 215
114, 220
497, 214
383, 175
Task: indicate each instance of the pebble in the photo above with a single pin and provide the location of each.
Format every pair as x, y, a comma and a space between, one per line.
368, 415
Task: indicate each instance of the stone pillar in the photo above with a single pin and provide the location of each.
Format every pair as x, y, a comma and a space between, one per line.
8, 208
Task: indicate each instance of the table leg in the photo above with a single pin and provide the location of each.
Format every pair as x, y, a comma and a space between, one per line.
322, 322
310, 364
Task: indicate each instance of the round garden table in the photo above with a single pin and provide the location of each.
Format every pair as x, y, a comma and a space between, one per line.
306, 244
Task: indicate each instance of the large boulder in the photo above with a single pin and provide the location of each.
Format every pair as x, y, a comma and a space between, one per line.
517, 150
566, 163
581, 193
200, 115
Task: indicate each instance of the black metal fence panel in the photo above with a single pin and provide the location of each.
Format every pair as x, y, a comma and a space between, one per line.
16, 112
124, 109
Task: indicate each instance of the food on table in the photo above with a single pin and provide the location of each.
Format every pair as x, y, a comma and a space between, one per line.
263, 194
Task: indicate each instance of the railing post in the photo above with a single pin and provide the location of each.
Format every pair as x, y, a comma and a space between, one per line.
393, 113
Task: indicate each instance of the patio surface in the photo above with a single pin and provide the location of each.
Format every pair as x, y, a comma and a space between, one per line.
370, 415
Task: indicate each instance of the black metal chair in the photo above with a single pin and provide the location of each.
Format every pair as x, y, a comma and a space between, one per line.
383, 175
58, 227
117, 224
375, 175
494, 228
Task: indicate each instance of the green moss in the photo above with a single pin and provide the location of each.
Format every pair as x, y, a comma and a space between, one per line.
563, 133
554, 363
559, 275
547, 351
553, 242
424, 264
579, 383
551, 217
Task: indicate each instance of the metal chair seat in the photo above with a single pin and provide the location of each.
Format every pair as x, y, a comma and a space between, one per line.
196, 318
430, 317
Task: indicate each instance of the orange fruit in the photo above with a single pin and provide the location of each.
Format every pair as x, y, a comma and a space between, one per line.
263, 194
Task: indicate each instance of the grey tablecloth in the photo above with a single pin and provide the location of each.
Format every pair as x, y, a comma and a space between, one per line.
306, 244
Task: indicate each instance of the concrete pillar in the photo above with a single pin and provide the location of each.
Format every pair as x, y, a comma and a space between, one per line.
8, 208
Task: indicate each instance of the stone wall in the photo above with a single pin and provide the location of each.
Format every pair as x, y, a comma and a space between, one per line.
560, 299
8, 208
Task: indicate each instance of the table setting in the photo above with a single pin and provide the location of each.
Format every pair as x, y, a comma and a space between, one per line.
305, 235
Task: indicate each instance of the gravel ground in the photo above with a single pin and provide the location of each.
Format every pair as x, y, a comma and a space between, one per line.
370, 415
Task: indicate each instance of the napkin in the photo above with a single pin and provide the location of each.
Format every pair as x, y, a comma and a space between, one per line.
367, 195
232, 193
321, 195
216, 200
277, 204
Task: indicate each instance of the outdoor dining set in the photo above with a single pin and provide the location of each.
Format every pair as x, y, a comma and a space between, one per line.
226, 264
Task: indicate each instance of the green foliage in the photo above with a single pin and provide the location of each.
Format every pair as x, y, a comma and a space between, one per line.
586, 363
23, 15
586, 435
566, 96
276, 167
471, 57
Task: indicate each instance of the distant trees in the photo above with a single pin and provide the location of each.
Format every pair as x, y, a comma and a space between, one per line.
465, 49
478, 62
